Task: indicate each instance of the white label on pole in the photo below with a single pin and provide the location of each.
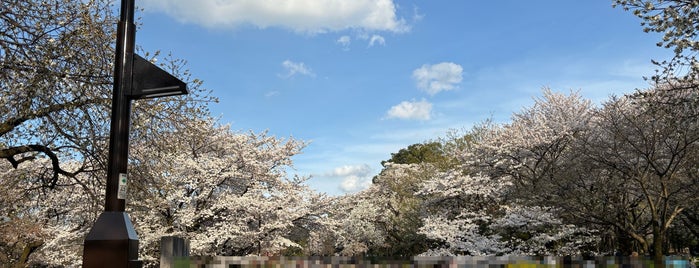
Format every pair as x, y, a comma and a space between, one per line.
122, 186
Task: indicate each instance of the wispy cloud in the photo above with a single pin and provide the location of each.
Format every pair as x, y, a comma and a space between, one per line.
438, 77
308, 16
417, 16
271, 93
294, 68
411, 110
344, 41
377, 40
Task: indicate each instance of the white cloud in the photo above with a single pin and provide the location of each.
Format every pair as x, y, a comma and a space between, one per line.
357, 170
439, 77
293, 68
377, 39
354, 177
344, 41
309, 16
413, 110
354, 184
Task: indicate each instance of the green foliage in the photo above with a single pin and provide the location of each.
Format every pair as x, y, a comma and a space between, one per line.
431, 152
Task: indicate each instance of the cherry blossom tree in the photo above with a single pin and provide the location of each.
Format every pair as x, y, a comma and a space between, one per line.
47, 225
624, 167
55, 70
382, 220
18, 235
359, 230
678, 23
653, 148
55, 85
229, 193
534, 148
470, 215
460, 208
56, 82
541, 153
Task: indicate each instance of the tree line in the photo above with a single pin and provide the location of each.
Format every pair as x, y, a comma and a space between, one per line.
563, 177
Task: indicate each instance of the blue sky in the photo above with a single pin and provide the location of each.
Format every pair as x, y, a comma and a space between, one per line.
361, 79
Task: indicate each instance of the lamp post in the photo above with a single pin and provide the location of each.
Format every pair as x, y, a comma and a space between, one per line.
112, 241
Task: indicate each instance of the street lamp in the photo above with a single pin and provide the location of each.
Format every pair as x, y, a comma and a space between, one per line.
149, 81
112, 241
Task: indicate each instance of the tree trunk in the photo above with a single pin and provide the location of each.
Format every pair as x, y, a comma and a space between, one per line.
641, 240
624, 242
658, 238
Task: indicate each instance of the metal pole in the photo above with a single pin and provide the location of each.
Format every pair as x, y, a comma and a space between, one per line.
121, 106
112, 241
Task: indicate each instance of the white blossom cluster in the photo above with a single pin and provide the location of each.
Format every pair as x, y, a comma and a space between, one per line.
487, 225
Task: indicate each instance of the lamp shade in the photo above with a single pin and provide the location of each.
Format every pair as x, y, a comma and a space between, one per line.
149, 81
